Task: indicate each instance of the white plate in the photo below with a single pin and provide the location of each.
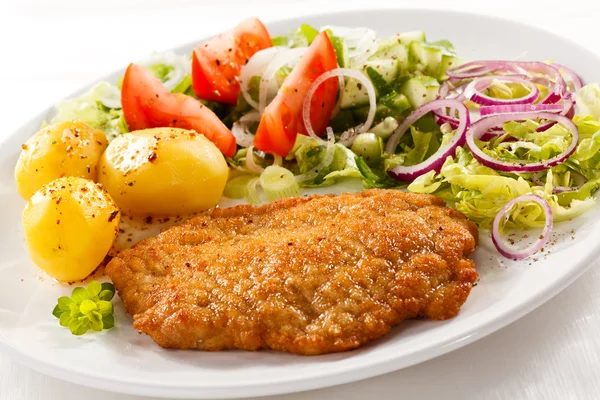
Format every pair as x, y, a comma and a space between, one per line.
121, 360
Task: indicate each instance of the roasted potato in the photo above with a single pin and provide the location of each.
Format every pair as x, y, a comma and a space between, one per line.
70, 225
67, 149
162, 172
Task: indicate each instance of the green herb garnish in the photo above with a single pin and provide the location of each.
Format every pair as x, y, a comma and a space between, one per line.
87, 308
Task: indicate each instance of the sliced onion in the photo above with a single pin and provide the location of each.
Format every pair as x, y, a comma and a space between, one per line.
481, 127
253, 166
283, 58
474, 90
181, 66
448, 91
327, 159
256, 67
110, 95
570, 77
347, 137
557, 87
250, 164
567, 110
506, 249
475, 69
338, 103
520, 108
536, 179
243, 136
361, 42
435, 162
350, 73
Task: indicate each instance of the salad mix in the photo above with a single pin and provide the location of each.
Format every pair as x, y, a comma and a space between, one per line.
510, 144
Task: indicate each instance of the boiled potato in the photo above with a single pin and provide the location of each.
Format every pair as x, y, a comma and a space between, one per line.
70, 224
67, 149
163, 171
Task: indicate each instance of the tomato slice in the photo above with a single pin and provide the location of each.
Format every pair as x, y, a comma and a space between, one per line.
148, 104
217, 63
282, 119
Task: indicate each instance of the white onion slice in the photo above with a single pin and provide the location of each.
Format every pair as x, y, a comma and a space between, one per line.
256, 67
243, 136
338, 104
283, 58
350, 73
181, 66
110, 95
250, 164
254, 167
361, 42
327, 159
506, 249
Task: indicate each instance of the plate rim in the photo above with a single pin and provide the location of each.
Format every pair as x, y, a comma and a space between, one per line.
337, 377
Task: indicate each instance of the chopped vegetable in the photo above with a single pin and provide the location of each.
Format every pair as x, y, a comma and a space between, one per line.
282, 119
148, 104
216, 64
99, 108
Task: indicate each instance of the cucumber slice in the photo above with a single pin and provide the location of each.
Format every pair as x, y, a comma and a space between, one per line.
414, 36
382, 112
447, 63
420, 90
355, 95
424, 58
393, 51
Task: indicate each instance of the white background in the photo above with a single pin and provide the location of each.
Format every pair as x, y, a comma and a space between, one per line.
50, 48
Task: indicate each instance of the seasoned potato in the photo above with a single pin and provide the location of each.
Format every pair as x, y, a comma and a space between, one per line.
70, 224
67, 149
163, 171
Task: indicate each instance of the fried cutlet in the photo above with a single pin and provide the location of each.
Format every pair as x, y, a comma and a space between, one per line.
309, 275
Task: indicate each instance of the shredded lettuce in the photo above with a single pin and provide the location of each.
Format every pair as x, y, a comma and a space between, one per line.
480, 192
529, 145
587, 101
308, 153
89, 108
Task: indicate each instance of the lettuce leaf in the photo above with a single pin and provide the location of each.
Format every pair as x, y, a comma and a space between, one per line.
587, 101
88, 108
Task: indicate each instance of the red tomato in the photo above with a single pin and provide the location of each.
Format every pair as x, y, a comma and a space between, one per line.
282, 119
217, 63
148, 104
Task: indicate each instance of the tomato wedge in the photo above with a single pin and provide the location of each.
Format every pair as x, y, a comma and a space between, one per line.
282, 119
148, 104
217, 63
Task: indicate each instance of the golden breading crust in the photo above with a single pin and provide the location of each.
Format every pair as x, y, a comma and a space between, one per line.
309, 275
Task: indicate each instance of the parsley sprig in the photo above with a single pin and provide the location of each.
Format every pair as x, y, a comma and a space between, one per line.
87, 308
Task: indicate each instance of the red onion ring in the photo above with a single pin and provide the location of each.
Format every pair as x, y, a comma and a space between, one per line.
506, 249
475, 69
474, 90
570, 77
567, 111
482, 126
556, 87
435, 162
520, 108
556, 90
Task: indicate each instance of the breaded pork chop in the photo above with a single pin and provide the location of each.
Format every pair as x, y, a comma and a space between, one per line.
310, 275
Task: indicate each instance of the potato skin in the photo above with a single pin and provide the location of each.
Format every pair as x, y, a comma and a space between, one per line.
70, 225
163, 172
70, 148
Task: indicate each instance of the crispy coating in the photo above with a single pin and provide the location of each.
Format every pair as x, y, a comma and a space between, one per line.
311, 275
